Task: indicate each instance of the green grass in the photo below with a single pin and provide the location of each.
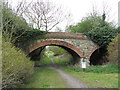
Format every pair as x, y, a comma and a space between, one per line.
63, 61
45, 78
109, 68
44, 61
96, 76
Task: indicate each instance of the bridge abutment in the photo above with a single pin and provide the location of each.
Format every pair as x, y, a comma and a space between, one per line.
84, 59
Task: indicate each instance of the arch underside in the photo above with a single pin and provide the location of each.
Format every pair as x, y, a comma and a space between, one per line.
65, 45
97, 57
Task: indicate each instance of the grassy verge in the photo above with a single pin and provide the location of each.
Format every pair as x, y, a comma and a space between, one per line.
96, 76
45, 78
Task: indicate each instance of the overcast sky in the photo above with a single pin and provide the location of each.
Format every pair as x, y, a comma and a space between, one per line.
80, 8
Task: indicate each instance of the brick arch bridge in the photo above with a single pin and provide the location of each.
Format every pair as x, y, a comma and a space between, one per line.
77, 44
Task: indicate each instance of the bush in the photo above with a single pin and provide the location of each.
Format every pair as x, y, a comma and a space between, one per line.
113, 50
16, 67
102, 35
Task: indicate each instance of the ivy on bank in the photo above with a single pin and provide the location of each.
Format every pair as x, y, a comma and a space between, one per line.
103, 35
25, 38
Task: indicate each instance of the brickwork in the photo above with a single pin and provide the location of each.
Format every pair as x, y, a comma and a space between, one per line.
64, 35
77, 42
56, 43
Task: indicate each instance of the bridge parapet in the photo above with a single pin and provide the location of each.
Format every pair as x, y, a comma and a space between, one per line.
64, 35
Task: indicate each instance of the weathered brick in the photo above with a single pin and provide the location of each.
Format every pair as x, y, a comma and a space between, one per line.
77, 42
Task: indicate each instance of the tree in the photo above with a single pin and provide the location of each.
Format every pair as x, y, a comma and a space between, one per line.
91, 21
43, 15
12, 23
87, 24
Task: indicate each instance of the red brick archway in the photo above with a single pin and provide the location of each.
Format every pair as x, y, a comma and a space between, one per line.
56, 43
93, 50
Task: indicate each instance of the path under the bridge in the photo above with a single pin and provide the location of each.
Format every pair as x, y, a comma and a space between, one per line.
70, 81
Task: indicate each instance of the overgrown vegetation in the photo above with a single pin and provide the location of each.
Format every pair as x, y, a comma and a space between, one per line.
113, 50
103, 35
96, 28
16, 67
17, 31
26, 38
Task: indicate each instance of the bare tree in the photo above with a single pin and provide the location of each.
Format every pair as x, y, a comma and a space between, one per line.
42, 15
22, 7
12, 21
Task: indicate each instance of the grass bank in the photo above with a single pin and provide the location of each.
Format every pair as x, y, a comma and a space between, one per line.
16, 67
45, 78
96, 76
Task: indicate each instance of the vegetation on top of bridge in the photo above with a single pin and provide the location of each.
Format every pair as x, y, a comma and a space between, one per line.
16, 29
27, 37
96, 28
103, 35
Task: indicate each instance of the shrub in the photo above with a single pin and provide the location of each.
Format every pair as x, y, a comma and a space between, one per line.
102, 35
16, 67
113, 50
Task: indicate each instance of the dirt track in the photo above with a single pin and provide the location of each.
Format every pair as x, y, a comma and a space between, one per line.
71, 81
